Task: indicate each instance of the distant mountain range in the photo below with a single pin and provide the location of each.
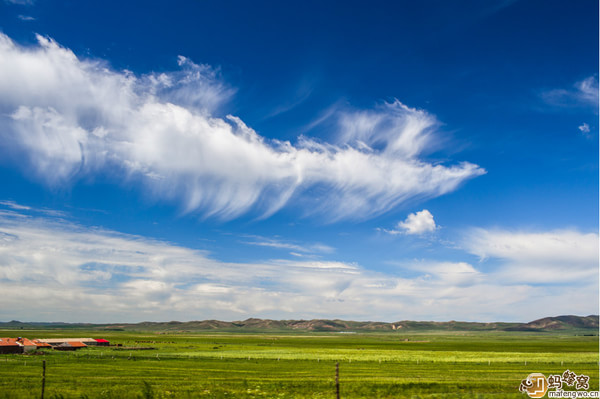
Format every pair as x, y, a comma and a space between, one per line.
583, 324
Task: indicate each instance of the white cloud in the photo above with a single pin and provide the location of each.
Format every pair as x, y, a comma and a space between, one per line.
583, 94
555, 257
398, 129
584, 128
20, 2
71, 269
449, 274
14, 205
26, 18
416, 223
313, 248
134, 277
72, 118
588, 90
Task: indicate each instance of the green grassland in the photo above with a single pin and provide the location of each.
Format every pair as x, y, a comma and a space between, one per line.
471, 364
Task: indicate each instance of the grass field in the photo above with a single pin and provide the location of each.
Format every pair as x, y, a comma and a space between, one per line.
226, 365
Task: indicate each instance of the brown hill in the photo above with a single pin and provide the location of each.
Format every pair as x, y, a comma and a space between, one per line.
575, 324
560, 323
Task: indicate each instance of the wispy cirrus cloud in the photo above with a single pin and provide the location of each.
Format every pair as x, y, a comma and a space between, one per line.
14, 205
297, 97
582, 94
35, 211
21, 2
71, 118
311, 248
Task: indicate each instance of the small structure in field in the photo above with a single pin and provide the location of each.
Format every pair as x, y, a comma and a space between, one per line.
102, 342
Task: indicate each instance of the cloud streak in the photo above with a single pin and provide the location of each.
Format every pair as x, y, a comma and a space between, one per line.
583, 94
315, 248
20, 2
72, 118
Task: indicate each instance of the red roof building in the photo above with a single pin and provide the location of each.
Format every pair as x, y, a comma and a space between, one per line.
70, 346
7, 345
77, 344
16, 345
41, 345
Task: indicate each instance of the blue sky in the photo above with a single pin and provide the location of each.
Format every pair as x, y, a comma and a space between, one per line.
397, 160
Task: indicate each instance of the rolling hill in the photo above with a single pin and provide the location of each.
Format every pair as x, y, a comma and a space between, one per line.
583, 324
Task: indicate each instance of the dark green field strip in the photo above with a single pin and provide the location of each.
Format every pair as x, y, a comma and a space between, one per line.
473, 342
483, 341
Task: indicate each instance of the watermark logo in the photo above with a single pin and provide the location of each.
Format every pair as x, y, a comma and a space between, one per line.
535, 385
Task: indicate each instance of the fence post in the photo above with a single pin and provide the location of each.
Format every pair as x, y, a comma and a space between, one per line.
337, 380
43, 377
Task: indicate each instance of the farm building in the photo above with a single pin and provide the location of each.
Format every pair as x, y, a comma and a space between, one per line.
102, 342
57, 341
41, 345
16, 345
8, 345
70, 346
